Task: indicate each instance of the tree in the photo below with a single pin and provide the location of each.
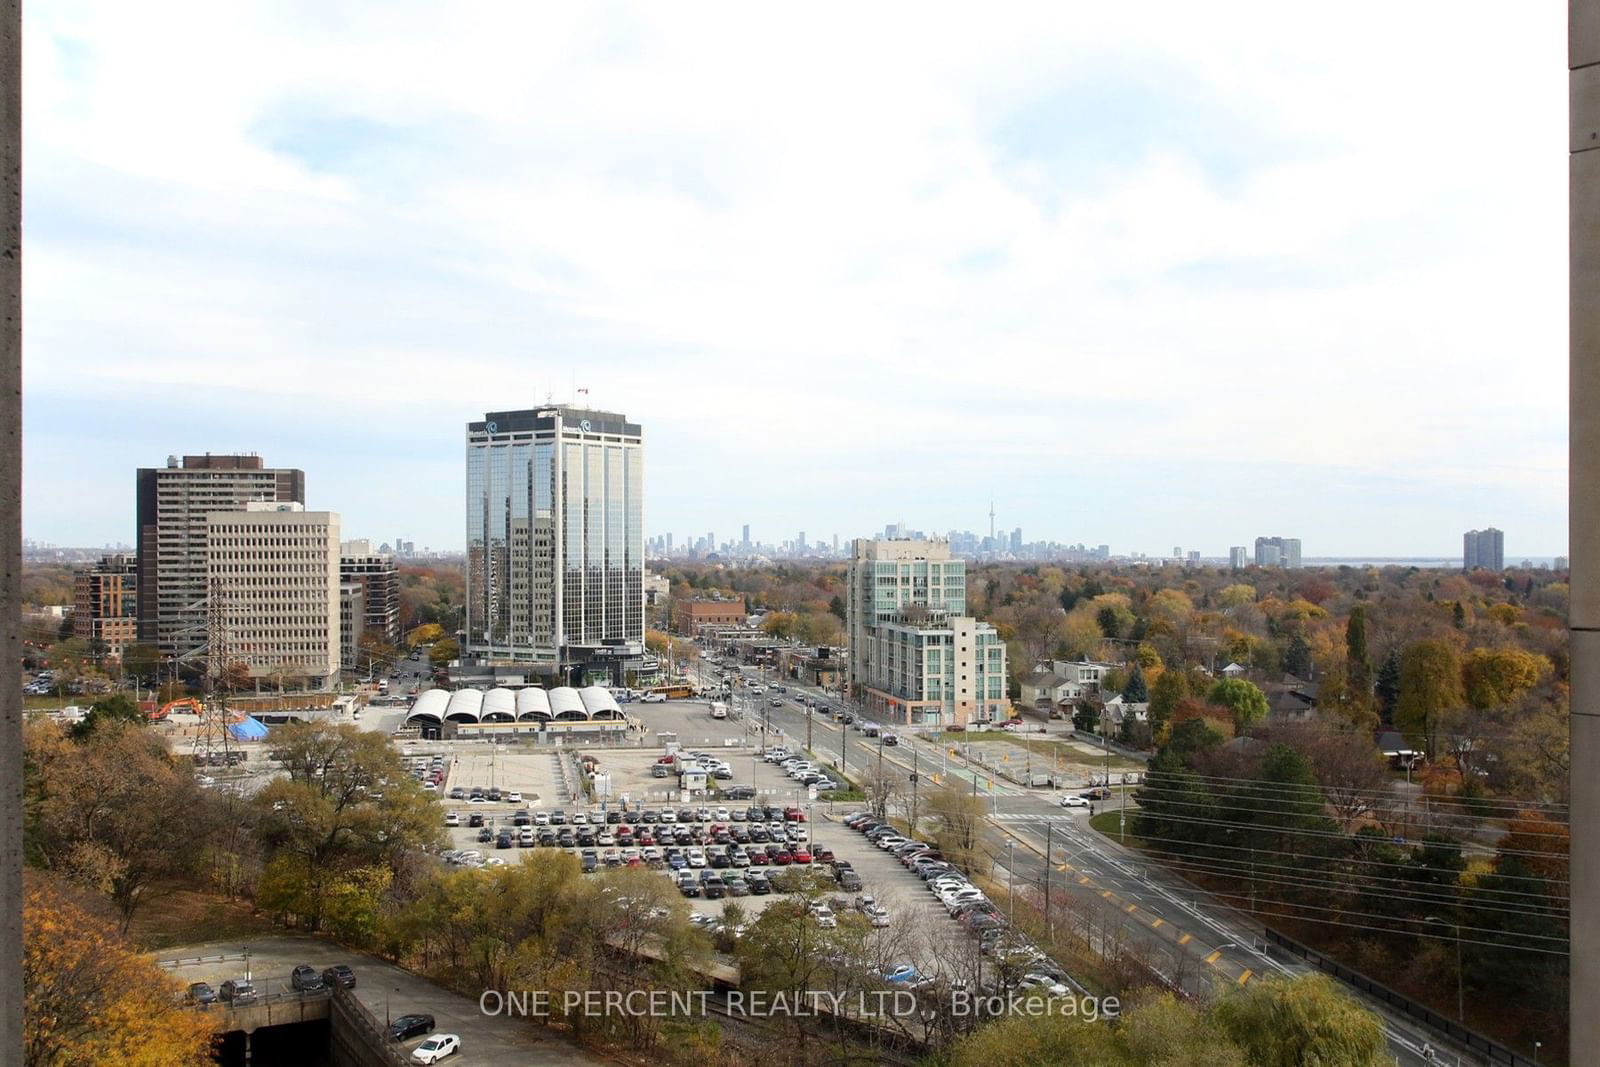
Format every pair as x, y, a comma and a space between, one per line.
141, 662
780, 624
960, 815
444, 651
91, 999
1297, 657
324, 829
836, 607
1306, 1020
116, 708
1358, 661
1496, 677
1170, 687
1387, 687
1135, 691
115, 812
427, 633
1248, 704
1430, 690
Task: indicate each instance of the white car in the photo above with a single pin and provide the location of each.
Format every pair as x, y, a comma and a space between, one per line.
1043, 983
452, 819
580, 818
513, 797
697, 857
653, 698
825, 917
436, 1048
1072, 800
721, 815
541, 818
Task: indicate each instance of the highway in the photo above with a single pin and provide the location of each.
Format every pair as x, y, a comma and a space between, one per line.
1118, 898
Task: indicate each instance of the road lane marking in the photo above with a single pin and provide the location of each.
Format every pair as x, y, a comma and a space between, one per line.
1216, 954
1185, 939
1158, 924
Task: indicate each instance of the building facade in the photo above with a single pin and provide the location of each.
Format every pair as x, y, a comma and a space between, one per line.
1278, 552
379, 577
352, 624
172, 504
689, 615
274, 571
916, 657
105, 603
1238, 557
555, 542
1483, 550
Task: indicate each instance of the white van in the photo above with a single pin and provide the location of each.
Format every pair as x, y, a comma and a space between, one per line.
719, 710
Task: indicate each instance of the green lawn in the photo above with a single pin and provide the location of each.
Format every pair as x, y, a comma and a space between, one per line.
1110, 824
1050, 748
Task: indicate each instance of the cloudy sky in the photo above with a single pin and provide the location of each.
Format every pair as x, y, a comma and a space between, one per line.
1152, 276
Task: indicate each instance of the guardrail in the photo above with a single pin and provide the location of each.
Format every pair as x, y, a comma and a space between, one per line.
190, 961
1452, 1028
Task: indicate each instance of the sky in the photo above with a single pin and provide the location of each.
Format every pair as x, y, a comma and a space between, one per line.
1145, 275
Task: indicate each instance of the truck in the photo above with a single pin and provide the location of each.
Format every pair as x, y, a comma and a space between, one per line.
1041, 779
719, 710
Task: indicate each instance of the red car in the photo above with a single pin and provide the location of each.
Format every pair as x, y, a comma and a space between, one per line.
646, 838
822, 855
793, 815
781, 858
801, 855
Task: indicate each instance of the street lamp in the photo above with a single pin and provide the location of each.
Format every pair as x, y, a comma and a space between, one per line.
1461, 1011
1011, 877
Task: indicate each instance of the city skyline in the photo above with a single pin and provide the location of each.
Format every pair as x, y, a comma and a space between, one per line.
1161, 288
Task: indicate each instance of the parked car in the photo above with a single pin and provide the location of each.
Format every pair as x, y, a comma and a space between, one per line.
201, 993
407, 1026
306, 979
436, 1048
339, 975
237, 991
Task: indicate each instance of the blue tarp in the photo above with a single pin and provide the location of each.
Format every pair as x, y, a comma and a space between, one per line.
248, 730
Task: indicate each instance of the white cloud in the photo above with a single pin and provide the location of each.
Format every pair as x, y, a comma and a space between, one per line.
1316, 242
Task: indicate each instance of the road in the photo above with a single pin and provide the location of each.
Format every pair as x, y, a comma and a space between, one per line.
1192, 938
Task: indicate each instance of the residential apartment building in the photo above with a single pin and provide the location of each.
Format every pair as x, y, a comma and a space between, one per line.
352, 624
172, 504
105, 603
555, 542
379, 578
916, 657
1278, 552
1238, 557
1483, 550
274, 570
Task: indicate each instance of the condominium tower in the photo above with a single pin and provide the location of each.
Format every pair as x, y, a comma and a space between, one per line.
555, 542
1278, 552
172, 503
1483, 550
916, 657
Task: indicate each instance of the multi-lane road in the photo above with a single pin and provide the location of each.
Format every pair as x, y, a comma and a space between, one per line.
1117, 897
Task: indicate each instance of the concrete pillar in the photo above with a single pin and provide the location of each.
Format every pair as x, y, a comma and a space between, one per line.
1583, 493
11, 530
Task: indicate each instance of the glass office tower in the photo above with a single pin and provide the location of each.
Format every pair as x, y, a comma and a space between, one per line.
555, 541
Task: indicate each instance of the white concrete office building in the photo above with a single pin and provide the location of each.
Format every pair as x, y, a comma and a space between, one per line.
274, 570
555, 543
916, 657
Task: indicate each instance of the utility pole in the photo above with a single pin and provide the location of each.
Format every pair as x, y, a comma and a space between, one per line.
11, 993
1049, 921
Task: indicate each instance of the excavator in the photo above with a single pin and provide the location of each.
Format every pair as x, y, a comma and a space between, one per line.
189, 704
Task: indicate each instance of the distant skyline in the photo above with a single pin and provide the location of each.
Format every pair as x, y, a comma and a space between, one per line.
1156, 277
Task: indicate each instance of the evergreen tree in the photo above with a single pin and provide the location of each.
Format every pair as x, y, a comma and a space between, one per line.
1388, 686
1458, 615
1358, 661
1135, 691
1297, 657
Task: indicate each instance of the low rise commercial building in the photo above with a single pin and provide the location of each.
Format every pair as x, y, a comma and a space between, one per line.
689, 615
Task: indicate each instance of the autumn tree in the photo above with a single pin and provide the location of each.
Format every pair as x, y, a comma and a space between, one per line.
443, 652
90, 999
1358, 661
336, 824
1430, 690
1248, 703
1495, 677
113, 811
1169, 688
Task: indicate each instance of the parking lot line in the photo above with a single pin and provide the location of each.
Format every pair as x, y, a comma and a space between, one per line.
1245, 977
1215, 955
1185, 939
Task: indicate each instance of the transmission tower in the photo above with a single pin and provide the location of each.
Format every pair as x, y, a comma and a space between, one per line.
214, 738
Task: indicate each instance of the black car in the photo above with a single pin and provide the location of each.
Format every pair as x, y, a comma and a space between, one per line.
613, 818
503, 841
201, 993
237, 991
306, 979
522, 818
740, 792
589, 860
759, 886
475, 819
339, 975
558, 818
410, 1026
485, 836
495, 795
